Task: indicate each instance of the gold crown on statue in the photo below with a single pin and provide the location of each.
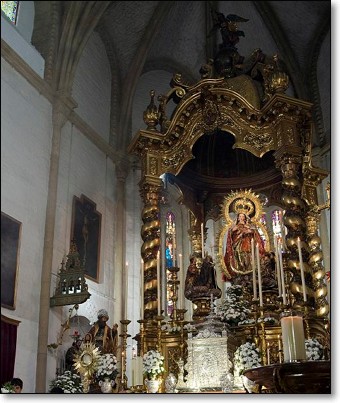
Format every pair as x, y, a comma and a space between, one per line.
243, 205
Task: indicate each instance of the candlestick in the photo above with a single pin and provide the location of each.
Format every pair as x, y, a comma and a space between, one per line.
268, 354
254, 269
277, 271
302, 271
142, 289
328, 191
202, 236
158, 285
293, 337
283, 285
259, 274
180, 261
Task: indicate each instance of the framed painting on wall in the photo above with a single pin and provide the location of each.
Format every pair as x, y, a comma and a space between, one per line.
10, 245
85, 231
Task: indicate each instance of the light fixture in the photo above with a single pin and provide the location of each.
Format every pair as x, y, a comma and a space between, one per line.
71, 288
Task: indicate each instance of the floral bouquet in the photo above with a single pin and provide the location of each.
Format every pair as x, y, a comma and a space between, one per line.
7, 388
314, 349
233, 309
69, 381
107, 367
245, 357
153, 364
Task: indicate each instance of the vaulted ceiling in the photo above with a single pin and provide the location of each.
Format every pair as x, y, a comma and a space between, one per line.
147, 42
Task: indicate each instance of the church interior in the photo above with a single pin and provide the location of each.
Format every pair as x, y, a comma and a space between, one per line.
165, 208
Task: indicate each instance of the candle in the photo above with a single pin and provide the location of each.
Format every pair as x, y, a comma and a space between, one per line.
139, 371
277, 266
293, 338
158, 284
268, 354
302, 271
202, 237
142, 289
180, 261
126, 288
174, 246
133, 371
259, 274
254, 269
283, 286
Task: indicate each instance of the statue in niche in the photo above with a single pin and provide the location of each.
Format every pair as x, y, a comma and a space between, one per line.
201, 279
238, 255
243, 229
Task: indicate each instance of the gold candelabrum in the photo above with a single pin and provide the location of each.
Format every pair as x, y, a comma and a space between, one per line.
155, 335
123, 386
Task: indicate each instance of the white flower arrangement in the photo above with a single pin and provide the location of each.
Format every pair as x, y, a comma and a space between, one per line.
233, 309
170, 329
314, 349
246, 322
246, 356
7, 388
69, 381
153, 364
268, 320
107, 367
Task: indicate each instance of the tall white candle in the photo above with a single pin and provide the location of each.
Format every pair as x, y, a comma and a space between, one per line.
283, 285
142, 288
180, 261
139, 371
158, 284
277, 267
126, 288
254, 269
174, 246
293, 338
133, 371
302, 271
202, 238
259, 274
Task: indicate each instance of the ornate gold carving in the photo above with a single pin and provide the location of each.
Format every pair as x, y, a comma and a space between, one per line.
151, 114
259, 141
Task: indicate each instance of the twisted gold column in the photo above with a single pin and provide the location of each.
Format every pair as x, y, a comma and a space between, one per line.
296, 227
315, 261
150, 233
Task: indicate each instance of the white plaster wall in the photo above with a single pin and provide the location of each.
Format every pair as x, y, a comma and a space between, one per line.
92, 86
25, 154
19, 37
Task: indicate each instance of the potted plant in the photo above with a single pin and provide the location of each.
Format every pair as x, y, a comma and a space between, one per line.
69, 381
246, 356
7, 387
106, 372
153, 368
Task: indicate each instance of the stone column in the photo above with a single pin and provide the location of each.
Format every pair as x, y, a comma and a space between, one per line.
122, 170
62, 107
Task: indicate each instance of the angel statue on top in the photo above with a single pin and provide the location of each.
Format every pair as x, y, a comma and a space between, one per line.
242, 235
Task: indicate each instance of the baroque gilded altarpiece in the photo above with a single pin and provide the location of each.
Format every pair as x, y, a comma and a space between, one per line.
270, 122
